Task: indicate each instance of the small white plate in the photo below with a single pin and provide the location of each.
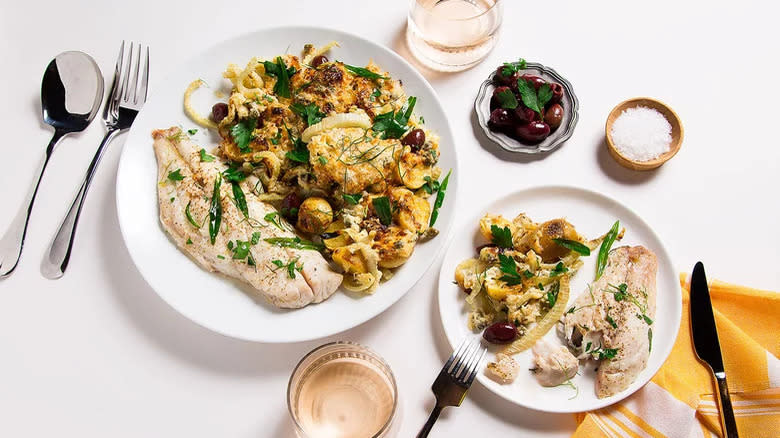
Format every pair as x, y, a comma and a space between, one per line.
212, 300
592, 214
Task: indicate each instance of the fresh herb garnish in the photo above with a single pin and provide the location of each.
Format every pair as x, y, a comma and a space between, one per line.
215, 210
439, 199
573, 309
620, 293
300, 153
274, 218
573, 245
240, 249
508, 267
322, 160
507, 99
189, 241
602, 353
173, 198
192, 131
650, 339
571, 385
533, 98
292, 266
501, 236
276, 138
240, 199
528, 274
376, 94
282, 74
295, 242
233, 175
255, 237
611, 321
511, 68
552, 294
364, 72
221, 257
431, 186
175, 175
190, 219
393, 124
383, 210
310, 113
352, 199
606, 245
205, 157
558, 270
243, 133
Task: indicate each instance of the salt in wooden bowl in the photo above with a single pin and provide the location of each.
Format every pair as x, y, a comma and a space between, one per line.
669, 115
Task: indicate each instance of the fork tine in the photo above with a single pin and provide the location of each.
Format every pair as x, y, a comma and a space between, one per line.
464, 369
145, 78
134, 82
113, 97
126, 77
455, 354
462, 360
476, 366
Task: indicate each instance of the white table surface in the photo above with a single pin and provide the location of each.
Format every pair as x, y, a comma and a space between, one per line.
97, 353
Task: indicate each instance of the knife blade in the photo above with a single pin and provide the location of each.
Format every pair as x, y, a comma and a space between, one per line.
707, 345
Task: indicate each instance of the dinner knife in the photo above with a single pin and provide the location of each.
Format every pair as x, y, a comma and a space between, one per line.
707, 345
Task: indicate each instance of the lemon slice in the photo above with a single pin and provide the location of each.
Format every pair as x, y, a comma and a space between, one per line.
343, 120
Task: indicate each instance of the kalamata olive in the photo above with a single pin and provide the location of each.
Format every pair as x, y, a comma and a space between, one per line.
554, 115
219, 111
502, 76
525, 114
320, 59
500, 333
500, 119
536, 81
415, 138
533, 132
290, 205
557, 90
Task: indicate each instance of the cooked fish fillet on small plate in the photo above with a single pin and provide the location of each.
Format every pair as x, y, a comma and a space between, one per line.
631, 314
165, 220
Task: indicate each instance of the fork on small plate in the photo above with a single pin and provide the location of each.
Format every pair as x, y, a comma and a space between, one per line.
455, 379
128, 94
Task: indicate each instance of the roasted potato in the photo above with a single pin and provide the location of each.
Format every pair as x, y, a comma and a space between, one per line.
413, 167
352, 262
394, 245
412, 212
554, 229
314, 215
488, 220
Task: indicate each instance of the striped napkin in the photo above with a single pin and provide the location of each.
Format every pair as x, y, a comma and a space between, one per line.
679, 401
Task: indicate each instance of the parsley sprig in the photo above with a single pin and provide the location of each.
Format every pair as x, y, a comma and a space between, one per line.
502, 237
601, 353
533, 98
508, 268
393, 124
282, 74
383, 209
291, 266
243, 133
175, 175
310, 113
511, 68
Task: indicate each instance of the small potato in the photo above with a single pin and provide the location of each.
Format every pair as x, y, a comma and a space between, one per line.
394, 245
554, 229
412, 168
351, 262
314, 215
412, 212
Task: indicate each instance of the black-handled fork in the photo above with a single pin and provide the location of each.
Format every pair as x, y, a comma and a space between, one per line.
455, 379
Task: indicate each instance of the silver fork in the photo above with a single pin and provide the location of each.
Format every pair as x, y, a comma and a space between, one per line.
128, 94
455, 379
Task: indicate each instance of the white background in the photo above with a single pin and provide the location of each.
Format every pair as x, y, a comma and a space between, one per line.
97, 353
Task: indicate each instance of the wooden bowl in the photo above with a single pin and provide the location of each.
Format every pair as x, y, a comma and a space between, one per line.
668, 113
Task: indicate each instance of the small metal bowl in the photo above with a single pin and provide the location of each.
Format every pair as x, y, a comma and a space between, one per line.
570, 107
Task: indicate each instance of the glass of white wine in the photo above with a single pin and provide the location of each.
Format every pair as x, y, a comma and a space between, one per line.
342, 390
453, 35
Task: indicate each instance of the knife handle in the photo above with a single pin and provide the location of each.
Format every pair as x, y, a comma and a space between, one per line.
726, 410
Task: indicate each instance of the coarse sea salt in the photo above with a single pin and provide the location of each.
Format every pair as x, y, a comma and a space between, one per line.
641, 134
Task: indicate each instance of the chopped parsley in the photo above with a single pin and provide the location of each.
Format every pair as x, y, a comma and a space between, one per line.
611, 321
501, 236
189, 241
376, 94
175, 175
310, 113
508, 267
601, 353
282, 74
205, 157
511, 68
431, 186
383, 210
364, 72
233, 174
255, 237
620, 293
573, 245
192, 131
240, 249
352, 199
291, 267
393, 124
274, 218
322, 160
507, 99
300, 152
243, 133
558, 270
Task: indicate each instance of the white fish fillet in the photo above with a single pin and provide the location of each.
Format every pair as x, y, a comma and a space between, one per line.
175, 151
602, 320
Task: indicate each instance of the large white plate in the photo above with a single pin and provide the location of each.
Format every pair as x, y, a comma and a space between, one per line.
592, 214
212, 300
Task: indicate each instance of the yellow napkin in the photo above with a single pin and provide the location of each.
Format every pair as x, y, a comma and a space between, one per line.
679, 401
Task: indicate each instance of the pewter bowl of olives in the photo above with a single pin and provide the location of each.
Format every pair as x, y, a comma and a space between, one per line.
526, 107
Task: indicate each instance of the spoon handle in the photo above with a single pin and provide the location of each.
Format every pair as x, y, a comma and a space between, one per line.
13, 240
58, 255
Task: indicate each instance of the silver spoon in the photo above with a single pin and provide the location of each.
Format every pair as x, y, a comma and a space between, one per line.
71, 93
